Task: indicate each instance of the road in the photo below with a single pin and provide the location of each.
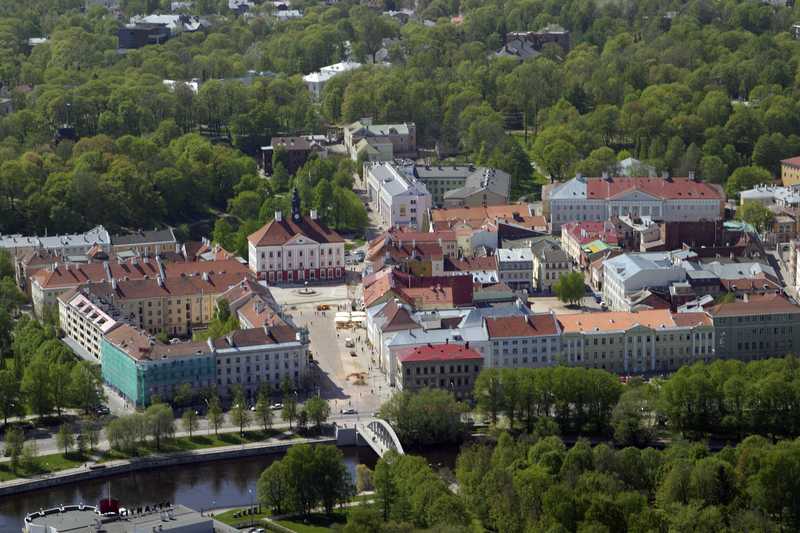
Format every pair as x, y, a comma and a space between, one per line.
48, 445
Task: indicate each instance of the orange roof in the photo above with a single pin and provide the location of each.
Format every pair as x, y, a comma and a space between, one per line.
616, 321
277, 233
691, 319
480, 213
792, 161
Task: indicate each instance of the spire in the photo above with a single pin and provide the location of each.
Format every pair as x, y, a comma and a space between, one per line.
296, 216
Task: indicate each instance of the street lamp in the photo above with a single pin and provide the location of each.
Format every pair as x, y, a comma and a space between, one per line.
252, 505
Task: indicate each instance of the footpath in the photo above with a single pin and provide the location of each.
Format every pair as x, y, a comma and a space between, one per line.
122, 466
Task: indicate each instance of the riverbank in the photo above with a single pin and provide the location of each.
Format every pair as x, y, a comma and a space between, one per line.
123, 466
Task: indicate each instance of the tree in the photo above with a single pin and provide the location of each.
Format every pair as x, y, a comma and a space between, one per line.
744, 178
302, 420
263, 410
9, 395
215, 415
488, 393
273, 487
557, 158
289, 411
239, 414
65, 439
85, 386
36, 386
385, 483
190, 421
184, 394
318, 411
570, 287
363, 478
631, 417
14, 442
428, 416
756, 214
160, 422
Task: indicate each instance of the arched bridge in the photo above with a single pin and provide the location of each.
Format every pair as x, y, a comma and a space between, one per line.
380, 436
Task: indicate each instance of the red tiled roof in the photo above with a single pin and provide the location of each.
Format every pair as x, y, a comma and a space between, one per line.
587, 231
691, 319
66, 275
438, 352
522, 326
792, 161
756, 304
473, 264
479, 213
278, 233
397, 317
674, 188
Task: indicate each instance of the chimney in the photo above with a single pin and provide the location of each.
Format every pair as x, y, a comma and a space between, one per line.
691, 176
605, 176
278, 216
160, 281
313, 214
205, 276
665, 174
466, 345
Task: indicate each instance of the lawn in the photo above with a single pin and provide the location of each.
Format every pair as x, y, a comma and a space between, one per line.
44, 464
315, 523
228, 517
196, 442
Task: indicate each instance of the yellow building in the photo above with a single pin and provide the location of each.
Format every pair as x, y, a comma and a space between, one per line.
790, 171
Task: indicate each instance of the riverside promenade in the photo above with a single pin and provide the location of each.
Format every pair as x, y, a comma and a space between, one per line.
122, 466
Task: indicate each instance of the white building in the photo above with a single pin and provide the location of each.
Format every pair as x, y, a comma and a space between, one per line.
528, 341
626, 274
316, 81
771, 195
85, 319
666, 198
515, 267
296, 250
398, 199
73, 244
266, 356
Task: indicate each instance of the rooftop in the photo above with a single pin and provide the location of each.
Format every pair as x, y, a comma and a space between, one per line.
514, 254
156, 236
756, 304
140, 346
438, 352
97, 235
616, 321
279, 232
522, 326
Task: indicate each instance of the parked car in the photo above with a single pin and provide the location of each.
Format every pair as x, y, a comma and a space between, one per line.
349, 411
360, 255
275, 406
353, 353
348, 342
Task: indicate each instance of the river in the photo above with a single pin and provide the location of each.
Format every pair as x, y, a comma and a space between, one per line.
215, 484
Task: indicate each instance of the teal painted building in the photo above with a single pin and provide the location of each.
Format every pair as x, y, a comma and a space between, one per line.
138, 367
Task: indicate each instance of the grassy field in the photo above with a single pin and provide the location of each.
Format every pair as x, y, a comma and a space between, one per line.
45, 464
316, 523
228, 517
196, 442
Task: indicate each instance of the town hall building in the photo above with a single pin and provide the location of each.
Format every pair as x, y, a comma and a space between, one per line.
296, 250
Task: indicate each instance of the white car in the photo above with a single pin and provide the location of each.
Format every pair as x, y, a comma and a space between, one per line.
349, 411
275, 406
348, 342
